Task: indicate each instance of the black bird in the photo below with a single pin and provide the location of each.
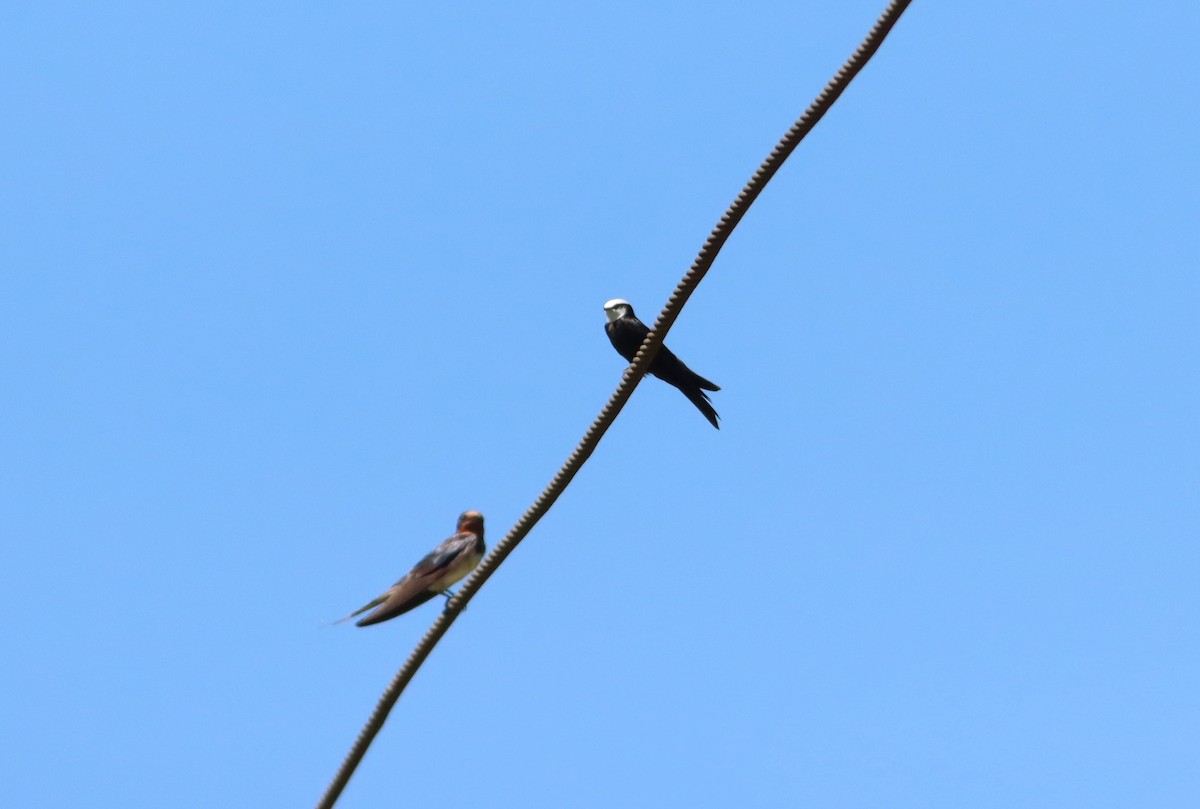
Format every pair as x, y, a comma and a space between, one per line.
433, 575
626, 333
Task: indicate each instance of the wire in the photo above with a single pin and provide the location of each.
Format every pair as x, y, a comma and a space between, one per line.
633, 375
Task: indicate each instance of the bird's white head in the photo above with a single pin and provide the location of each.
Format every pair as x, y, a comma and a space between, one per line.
616, 309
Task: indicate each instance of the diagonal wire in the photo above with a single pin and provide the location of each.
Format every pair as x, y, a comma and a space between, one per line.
633, 374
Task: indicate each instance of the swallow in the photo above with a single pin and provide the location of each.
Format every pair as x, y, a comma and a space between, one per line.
433, 575
626, 333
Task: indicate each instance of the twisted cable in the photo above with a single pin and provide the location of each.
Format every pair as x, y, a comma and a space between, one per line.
633, 375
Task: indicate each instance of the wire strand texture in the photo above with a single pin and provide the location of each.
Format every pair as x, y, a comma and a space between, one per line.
629, 381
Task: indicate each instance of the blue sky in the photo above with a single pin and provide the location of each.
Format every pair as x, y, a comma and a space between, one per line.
287, 287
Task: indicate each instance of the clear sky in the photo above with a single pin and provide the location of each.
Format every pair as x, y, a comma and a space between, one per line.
285, 287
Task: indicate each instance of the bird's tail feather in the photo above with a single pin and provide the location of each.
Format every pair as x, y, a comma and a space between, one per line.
392, 610
700, 399
368, 606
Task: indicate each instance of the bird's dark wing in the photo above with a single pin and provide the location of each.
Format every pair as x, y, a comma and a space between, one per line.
669, 368
421, 583
703, 383
627, 333
441, 557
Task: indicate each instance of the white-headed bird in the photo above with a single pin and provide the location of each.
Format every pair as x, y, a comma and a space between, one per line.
626, 333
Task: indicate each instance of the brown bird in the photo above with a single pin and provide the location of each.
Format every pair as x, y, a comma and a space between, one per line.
433, 575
